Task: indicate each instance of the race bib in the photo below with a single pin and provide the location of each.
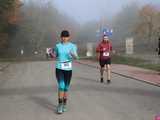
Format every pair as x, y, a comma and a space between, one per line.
66, 65
106, 54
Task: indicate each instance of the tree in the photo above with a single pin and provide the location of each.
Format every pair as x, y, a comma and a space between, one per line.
123, 24
40, 26
148, 26
8, 17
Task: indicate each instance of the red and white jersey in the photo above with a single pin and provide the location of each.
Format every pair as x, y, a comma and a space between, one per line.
104, 48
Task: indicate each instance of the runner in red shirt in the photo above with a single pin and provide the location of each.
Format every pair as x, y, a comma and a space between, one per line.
104, 56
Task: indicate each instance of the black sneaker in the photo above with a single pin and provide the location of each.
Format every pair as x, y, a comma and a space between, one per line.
101, 80
108, 81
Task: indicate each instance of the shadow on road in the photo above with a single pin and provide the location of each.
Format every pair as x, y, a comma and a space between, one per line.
86, 79
44, 102
87, 87
28, 90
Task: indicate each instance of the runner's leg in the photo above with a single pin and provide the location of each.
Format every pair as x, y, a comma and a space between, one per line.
68, 76
108, 72
102, 65
61, 85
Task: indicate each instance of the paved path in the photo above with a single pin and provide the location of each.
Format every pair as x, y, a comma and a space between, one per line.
28, 92
3, 65
145, 75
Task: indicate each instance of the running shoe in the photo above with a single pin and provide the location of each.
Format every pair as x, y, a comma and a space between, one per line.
108, 81
60, 109
101, 80
64, 108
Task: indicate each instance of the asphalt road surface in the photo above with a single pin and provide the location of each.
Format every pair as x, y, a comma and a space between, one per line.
28, 91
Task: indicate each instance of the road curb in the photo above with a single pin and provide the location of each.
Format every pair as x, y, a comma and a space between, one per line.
4, 67
123, 75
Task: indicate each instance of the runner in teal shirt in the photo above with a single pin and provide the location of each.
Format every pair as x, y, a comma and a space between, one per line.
65, 52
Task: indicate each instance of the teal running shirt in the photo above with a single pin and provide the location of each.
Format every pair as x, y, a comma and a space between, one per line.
63, 52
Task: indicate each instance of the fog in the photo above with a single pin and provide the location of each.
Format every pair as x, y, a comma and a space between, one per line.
88, 10
39, 23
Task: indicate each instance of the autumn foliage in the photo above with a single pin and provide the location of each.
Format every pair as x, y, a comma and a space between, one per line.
9, 15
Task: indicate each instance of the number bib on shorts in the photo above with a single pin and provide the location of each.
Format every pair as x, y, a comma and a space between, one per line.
66, 65
106, 54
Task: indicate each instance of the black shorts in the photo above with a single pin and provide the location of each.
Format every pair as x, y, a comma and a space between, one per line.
105, 62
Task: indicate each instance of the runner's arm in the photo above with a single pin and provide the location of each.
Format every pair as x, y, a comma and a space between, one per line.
74, 53
111, 49
53, 52
98, 52
98, 55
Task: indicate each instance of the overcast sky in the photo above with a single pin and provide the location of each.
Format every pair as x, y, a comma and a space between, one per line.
87, 10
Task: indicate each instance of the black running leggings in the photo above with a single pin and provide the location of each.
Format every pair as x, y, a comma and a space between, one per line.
63, 79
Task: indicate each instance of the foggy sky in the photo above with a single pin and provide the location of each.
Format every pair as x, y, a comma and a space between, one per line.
87, 10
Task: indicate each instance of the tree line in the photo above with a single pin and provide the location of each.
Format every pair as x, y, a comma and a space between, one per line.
35, 25
8, 20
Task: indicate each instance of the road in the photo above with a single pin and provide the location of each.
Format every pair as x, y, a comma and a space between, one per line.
28, 91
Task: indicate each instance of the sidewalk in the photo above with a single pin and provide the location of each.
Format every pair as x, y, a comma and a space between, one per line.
3, 65
145, 75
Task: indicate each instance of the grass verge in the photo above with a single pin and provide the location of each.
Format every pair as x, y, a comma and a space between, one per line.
117, 59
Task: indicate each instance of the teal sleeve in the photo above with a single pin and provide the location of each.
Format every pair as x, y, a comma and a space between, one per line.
75, 51
56, 50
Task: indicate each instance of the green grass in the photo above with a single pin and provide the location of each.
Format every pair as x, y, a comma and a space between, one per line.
7, 59
117, 59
